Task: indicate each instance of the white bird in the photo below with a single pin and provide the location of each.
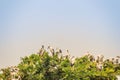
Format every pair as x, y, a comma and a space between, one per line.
1, 72
51, 50
101, 58
118, 56
68, 54
72, 60
100, 66
58, 52
41, 51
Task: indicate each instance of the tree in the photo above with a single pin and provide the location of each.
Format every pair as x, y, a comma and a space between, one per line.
55, 67
5, 74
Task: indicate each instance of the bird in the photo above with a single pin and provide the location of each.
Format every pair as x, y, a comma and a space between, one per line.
91, 57
1, 72
100, 66
117, 61
97, 60
51, 50
68, 55
60, 51
118, 56
101, 58
72, 60
41, 51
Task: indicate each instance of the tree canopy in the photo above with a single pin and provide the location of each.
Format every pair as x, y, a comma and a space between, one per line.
44, 66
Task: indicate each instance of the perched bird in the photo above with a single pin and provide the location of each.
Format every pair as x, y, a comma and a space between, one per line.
101, 58
68, 53
97, 60
91, 57
67, 56
72, 60
100, 66
41, 51
60, 51
1, 72
113, 60
117, 61
51, 50
118, 56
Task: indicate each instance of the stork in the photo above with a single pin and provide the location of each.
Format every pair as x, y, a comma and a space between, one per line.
117, 61
68, 55
51, 50
101, 58
100, 66
41, 51
98, 58
118, 56
58, 52
72, 60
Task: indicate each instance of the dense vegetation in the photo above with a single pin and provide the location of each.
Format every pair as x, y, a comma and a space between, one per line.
44, 66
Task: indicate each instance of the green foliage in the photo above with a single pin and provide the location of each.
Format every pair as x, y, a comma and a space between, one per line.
5, 75
55, 67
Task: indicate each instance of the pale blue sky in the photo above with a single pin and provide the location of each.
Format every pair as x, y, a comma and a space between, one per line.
77, 25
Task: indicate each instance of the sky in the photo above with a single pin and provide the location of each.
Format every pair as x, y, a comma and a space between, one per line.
77, 25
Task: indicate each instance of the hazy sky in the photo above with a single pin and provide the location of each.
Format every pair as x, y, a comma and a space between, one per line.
77, 25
